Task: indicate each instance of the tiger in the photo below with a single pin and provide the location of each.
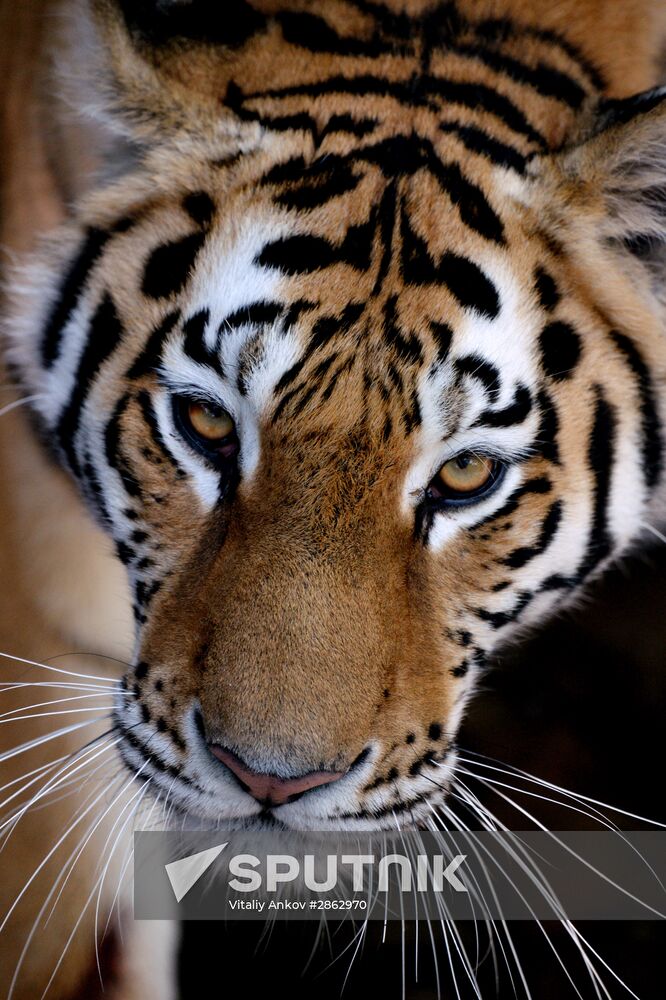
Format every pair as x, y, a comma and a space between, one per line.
337, 342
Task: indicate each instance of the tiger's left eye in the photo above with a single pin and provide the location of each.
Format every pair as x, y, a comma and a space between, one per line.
206, 427
209, 422
465, 478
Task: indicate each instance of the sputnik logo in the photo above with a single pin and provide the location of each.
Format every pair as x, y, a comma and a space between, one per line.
185, 872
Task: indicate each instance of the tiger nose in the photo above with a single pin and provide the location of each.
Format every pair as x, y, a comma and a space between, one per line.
271, 789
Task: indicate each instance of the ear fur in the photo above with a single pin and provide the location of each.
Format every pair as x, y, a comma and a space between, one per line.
617, 175
150, 69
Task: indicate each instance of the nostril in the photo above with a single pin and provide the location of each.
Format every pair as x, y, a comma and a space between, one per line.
271, 789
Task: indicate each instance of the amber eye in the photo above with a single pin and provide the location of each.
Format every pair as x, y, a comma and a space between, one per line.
209, 422
465, 478
207, 427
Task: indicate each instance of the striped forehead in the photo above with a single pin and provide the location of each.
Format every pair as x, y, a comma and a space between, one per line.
267, 357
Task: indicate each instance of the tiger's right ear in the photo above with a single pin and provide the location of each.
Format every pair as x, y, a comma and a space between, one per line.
609, 187
151, 68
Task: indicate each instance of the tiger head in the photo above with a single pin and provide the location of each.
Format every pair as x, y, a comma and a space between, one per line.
358, 362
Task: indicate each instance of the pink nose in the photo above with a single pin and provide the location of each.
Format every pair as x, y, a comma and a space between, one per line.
270, 789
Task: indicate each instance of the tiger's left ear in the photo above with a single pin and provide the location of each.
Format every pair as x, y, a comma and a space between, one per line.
614, 179
154, 68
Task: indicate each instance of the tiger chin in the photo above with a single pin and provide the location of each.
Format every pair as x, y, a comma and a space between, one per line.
342, 368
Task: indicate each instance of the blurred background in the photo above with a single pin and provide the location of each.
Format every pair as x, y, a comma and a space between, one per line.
582, 705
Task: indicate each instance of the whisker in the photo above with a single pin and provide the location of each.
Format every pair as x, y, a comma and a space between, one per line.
46, 738
8, 407
535, 875
497, 765
56, 670
63, 711
55, 701
491, 783
80, 759
655, 531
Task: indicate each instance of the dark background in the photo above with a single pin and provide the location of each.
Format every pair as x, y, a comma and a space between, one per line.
582, 704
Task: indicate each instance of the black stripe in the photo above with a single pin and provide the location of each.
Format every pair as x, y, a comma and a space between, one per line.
348, 125
546, 80
405, 155
148, 413
230, 25
538, 485
546, 443
386, 213
477, 141
317, 185
95, 491
418, 91
476, 367
200, 207
150, 355
497, 619
560, 350
546, 289
443, 336
169, 266
406, 345
70, 293
619, 111
314, 34
601, 454
114, 457
498, 29
194, 344
520, 557
289, 376
255, 314
305, 254
335, 375
464, 279
104, 336
515, 413
652, 442
477, 96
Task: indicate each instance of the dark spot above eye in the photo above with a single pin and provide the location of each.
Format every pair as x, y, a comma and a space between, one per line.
546, 289
560, 350
387, 693
169, 266
200, 207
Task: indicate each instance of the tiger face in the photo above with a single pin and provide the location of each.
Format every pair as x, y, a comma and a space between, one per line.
359, 367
